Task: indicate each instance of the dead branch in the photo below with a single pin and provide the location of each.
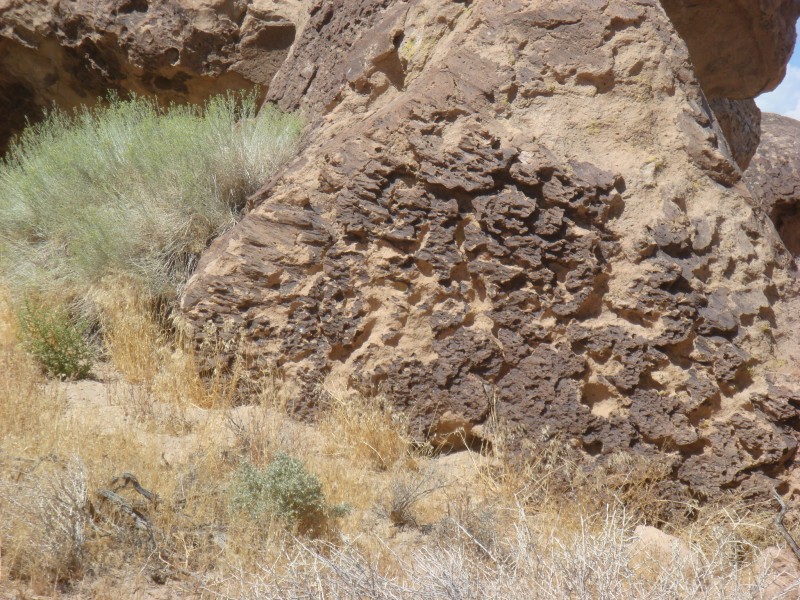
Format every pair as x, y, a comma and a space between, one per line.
781, 527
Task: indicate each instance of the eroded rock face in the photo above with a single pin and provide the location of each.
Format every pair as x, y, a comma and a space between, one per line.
774, 177
71, 53
527, 207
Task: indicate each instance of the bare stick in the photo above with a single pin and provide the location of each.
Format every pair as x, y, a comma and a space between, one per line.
779, 524
128, 479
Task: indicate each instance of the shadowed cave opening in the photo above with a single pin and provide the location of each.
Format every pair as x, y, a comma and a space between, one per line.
787, 223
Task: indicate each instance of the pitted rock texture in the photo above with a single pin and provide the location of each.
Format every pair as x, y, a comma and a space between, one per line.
71, 53
523, 207
739, 48
774, 181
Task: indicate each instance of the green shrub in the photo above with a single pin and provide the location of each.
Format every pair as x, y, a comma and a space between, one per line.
55, 340
131, 189
285, 490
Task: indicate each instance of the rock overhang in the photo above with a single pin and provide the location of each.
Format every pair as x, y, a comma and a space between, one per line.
739, 48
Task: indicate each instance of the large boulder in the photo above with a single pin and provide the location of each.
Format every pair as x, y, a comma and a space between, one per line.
71, 53
739, 48
526, 209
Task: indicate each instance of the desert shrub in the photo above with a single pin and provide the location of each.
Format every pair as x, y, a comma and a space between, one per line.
131, 189
405, 492
46, 521
285, 490
56, 340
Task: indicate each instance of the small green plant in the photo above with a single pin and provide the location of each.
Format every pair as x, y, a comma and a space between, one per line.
55, 340
285, 490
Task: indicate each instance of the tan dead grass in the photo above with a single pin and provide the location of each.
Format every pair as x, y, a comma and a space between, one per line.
146, 351
522, 524
132, 338
364, 428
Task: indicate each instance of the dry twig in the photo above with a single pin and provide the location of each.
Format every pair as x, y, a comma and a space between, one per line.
779, 524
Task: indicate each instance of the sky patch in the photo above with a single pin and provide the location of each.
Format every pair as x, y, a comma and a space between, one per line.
785, 99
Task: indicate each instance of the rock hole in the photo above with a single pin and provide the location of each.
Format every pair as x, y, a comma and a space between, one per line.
512, 92
393, 68
177, 84
172, 55
602, 83
593, 448
314, 269
327, 17
278, 36
600, 399
702, 272
393, 340
131, 6
341, 352
787, 222
636, 69
743, 378
479, 287
680, 353
634, 317
768, 315
705, 411
696, 448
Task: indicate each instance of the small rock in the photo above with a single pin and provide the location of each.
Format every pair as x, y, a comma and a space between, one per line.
779, 570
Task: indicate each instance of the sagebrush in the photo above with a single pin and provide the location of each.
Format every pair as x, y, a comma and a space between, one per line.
131, 188
287, 490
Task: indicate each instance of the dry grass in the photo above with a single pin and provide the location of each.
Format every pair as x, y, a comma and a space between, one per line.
132, 338
364, 428
534, 524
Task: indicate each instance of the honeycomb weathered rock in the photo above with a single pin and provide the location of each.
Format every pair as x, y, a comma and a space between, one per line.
526, 207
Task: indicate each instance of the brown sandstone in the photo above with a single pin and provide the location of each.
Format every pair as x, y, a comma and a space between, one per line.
529, 209
774, 177
739, 47
525, 208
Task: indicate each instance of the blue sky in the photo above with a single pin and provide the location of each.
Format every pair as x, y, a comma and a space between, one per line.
785, 99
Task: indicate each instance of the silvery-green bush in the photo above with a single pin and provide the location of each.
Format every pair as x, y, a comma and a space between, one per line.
285, 489
131, 189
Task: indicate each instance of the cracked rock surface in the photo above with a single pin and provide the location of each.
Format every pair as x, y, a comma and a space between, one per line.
528, 207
